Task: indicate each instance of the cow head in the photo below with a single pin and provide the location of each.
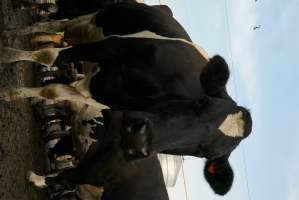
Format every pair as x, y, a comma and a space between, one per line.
208, 128
219, 175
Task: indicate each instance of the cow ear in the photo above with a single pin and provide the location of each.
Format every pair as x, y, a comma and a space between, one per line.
219, 174
215, 76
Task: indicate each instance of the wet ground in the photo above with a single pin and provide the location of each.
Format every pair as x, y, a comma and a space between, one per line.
21, 146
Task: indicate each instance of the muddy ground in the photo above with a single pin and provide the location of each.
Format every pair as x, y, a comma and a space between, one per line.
21, 146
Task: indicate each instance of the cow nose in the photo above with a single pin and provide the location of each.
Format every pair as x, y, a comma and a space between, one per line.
136, 138
144, 151
132, 154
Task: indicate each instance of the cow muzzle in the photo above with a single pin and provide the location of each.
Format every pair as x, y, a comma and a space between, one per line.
136, 137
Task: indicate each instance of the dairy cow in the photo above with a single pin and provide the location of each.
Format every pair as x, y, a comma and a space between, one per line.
164, 89
173, 96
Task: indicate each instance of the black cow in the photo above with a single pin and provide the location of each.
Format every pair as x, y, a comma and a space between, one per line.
179, 103
104, 165
171, 97
115, 19
169, 92
171, 85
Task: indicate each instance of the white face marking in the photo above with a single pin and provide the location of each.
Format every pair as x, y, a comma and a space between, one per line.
233, 125
149, 34
36, 180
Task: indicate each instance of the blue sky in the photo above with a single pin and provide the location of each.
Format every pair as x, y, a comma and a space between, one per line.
264, 68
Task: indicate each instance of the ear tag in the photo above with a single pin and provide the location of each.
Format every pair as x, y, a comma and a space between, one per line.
212, 168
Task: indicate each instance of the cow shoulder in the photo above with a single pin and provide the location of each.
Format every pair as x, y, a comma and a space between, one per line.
164, 9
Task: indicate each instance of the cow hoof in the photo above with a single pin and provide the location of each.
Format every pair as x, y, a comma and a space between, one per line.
135, 139
36, 180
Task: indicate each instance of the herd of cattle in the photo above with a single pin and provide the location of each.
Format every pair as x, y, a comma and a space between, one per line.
153, 88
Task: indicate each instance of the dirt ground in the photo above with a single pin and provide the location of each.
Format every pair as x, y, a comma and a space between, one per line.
21, 146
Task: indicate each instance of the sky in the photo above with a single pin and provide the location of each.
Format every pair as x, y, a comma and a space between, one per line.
264, 66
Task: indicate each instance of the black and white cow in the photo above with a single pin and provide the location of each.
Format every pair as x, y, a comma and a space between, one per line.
105, 165
171, 94
116, 19
177, 96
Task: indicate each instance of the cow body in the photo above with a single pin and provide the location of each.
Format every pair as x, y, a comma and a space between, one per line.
161, 82
172, 88
115, 19
68, 9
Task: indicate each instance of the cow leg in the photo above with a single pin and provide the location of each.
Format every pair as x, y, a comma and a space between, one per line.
49, 27
67, 177
44, 57
84, 32
57, 92
89, 174
36, 180
53, 38
10, 94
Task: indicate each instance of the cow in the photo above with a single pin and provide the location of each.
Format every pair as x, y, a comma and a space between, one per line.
176, 96
105, 165
116, 19
172, 95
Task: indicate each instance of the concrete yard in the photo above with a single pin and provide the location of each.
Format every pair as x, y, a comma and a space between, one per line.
21, 145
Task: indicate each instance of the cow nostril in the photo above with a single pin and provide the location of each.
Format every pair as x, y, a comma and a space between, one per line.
140, 155
129, 129
131, 152
146, 120
145, 152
